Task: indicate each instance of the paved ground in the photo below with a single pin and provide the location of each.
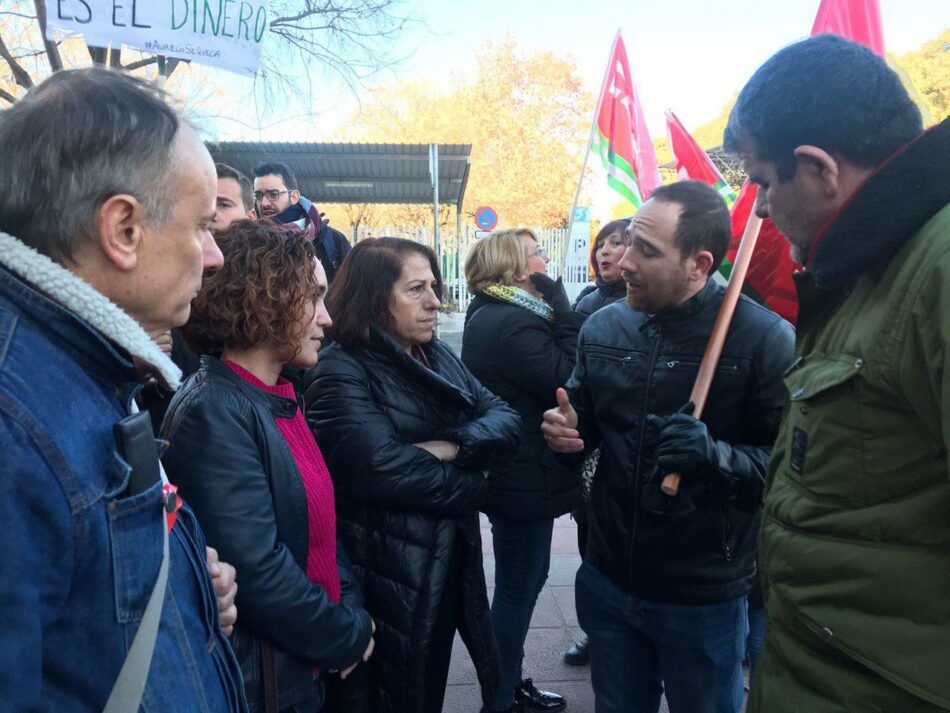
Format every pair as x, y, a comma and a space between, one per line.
553, 628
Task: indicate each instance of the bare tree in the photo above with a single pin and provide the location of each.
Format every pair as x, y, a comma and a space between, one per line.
349, 39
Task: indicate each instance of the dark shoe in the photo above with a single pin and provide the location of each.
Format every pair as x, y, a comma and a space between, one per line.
529, 697
578, 654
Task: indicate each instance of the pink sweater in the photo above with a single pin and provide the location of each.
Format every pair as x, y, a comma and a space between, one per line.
321, 511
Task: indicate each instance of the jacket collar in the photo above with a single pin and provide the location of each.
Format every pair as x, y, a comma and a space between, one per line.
430, 379
893, 204
85, 323
684, 310
280, 406
611, 290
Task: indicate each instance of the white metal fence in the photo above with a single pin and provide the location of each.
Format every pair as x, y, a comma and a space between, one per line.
455, 249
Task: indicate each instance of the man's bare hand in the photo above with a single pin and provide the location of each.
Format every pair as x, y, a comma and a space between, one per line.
560, 426
164, 341
224, 579
364, 658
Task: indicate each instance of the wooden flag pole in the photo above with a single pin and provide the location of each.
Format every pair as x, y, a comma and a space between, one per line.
707, 370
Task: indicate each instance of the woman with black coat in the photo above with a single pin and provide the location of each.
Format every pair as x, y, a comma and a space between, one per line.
243, 457
409, 435
520, 341
609, 287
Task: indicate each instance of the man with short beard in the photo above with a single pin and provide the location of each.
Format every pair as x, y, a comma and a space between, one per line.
855, 545
661, 593
277, 199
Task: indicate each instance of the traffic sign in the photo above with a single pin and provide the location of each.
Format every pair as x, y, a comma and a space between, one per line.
486, 218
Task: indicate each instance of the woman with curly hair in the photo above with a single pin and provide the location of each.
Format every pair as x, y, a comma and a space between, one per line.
243, 457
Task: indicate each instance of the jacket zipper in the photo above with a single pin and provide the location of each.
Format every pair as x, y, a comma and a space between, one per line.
636, 480
726, 532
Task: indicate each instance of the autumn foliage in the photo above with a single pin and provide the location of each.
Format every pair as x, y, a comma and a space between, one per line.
527, 116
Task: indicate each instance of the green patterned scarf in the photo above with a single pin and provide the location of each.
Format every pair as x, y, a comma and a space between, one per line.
517, 296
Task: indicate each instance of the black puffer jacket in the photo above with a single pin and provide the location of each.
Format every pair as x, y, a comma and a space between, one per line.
699, 547
400, 510
524, 358
600, 295
234, 468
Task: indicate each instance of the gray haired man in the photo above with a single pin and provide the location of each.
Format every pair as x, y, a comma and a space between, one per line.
106, 202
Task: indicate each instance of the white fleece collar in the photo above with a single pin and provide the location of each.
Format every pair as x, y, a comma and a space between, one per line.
93, 307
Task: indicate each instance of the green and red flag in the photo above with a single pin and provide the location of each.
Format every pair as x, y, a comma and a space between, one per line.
692, 163
621, 137
770, 273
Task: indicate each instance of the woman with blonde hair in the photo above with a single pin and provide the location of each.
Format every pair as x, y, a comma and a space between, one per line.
520, 340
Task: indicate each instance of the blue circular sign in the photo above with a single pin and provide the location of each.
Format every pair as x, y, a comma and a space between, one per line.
486, 218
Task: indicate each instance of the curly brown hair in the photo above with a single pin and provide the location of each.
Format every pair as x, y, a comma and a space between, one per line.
259, 295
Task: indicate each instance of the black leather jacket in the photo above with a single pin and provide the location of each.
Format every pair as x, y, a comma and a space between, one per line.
524, 358
697, 548
402, 512
234, 468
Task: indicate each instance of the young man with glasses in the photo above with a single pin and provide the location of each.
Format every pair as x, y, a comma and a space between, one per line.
277, 198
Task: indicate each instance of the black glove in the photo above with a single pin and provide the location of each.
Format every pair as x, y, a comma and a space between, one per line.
683, 443
552, 292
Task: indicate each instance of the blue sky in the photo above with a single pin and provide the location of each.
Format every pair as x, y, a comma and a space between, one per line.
688, 55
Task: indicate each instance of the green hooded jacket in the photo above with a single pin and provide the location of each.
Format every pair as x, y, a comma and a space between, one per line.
855, 540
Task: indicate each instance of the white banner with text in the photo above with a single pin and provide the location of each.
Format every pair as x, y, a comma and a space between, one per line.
221, 33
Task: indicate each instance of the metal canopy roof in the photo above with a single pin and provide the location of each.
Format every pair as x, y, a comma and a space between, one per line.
359, 173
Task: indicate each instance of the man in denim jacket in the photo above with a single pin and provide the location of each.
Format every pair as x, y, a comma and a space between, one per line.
106, 199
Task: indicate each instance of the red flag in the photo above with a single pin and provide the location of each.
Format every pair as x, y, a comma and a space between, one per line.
694, 163
622, 139
770, 272
857, 20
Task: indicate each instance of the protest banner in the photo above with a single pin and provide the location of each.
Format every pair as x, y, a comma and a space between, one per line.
221, 33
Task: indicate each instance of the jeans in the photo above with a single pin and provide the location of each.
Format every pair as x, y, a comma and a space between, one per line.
638, 647
754, 641
522, 558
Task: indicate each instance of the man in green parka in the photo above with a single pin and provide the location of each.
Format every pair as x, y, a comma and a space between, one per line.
855, 540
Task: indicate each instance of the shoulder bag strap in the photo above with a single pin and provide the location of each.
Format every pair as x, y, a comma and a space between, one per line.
127, 692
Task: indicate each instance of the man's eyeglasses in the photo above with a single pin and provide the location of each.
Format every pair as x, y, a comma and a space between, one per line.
271, 195
540, 252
